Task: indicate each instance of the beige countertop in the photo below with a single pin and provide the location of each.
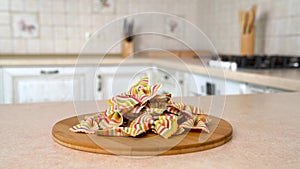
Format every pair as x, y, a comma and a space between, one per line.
265, 135
286, 79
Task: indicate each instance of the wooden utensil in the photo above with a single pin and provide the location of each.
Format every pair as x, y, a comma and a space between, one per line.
246, 19
253, 13
250, 21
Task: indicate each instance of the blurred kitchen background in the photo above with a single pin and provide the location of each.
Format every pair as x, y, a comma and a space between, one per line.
62, 26
41, 39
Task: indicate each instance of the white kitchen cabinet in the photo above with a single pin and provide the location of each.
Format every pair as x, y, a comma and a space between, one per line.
114, 80
1, 86
43, 84
46, 84
173, 81
252, 88
233, 87
201, 85
197, 84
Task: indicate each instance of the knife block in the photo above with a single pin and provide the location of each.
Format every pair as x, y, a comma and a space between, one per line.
247, 43
127, 48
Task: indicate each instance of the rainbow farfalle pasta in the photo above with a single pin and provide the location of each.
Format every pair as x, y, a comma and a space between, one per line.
140, 110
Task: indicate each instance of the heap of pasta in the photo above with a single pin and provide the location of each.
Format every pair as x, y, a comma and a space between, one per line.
140, 110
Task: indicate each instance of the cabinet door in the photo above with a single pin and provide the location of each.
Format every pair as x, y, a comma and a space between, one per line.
1, 86
197, 84
27, 85
204, 85
233, 87
172, 81
219, 86
114, 80
44, 89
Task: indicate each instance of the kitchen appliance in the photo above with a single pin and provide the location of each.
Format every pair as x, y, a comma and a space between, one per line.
262, 61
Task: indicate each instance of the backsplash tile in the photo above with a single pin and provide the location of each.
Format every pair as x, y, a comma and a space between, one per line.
33, 45
20, 46
72, 6
31, 5
16, 5
47, 46
58, 19
5, 31
85, 7
60, 32
4, 5
46, 32
45, 6
277, 25
59, 6
4, 18
6, 45
61, 46
63, 24
294, 26
45, 19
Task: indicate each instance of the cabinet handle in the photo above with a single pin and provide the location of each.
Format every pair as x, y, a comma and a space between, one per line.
99, 83
44, 72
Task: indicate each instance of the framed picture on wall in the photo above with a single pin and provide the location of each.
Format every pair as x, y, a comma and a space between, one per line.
104, 6
25, 25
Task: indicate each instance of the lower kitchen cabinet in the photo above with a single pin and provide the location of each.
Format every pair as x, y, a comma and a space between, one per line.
233, 87
172, 81
116, 80
51, 84
252, 88
196, 84
48, 84
113, 80
43, 84
201, 85
1, 86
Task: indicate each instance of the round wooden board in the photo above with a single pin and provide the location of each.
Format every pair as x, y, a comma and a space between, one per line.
149, 144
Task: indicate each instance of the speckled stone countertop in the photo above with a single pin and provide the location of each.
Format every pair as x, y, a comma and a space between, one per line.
285, 79
265, 135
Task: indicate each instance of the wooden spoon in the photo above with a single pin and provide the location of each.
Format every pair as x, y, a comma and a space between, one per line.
253, 13
245, 19
250, 22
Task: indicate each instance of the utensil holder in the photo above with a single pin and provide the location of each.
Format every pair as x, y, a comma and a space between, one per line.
247, 43
127, 48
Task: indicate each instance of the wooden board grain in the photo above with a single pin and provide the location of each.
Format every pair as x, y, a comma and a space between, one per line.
148, 144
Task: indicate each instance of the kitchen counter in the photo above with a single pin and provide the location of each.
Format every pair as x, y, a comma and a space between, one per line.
286, 79
265, 135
